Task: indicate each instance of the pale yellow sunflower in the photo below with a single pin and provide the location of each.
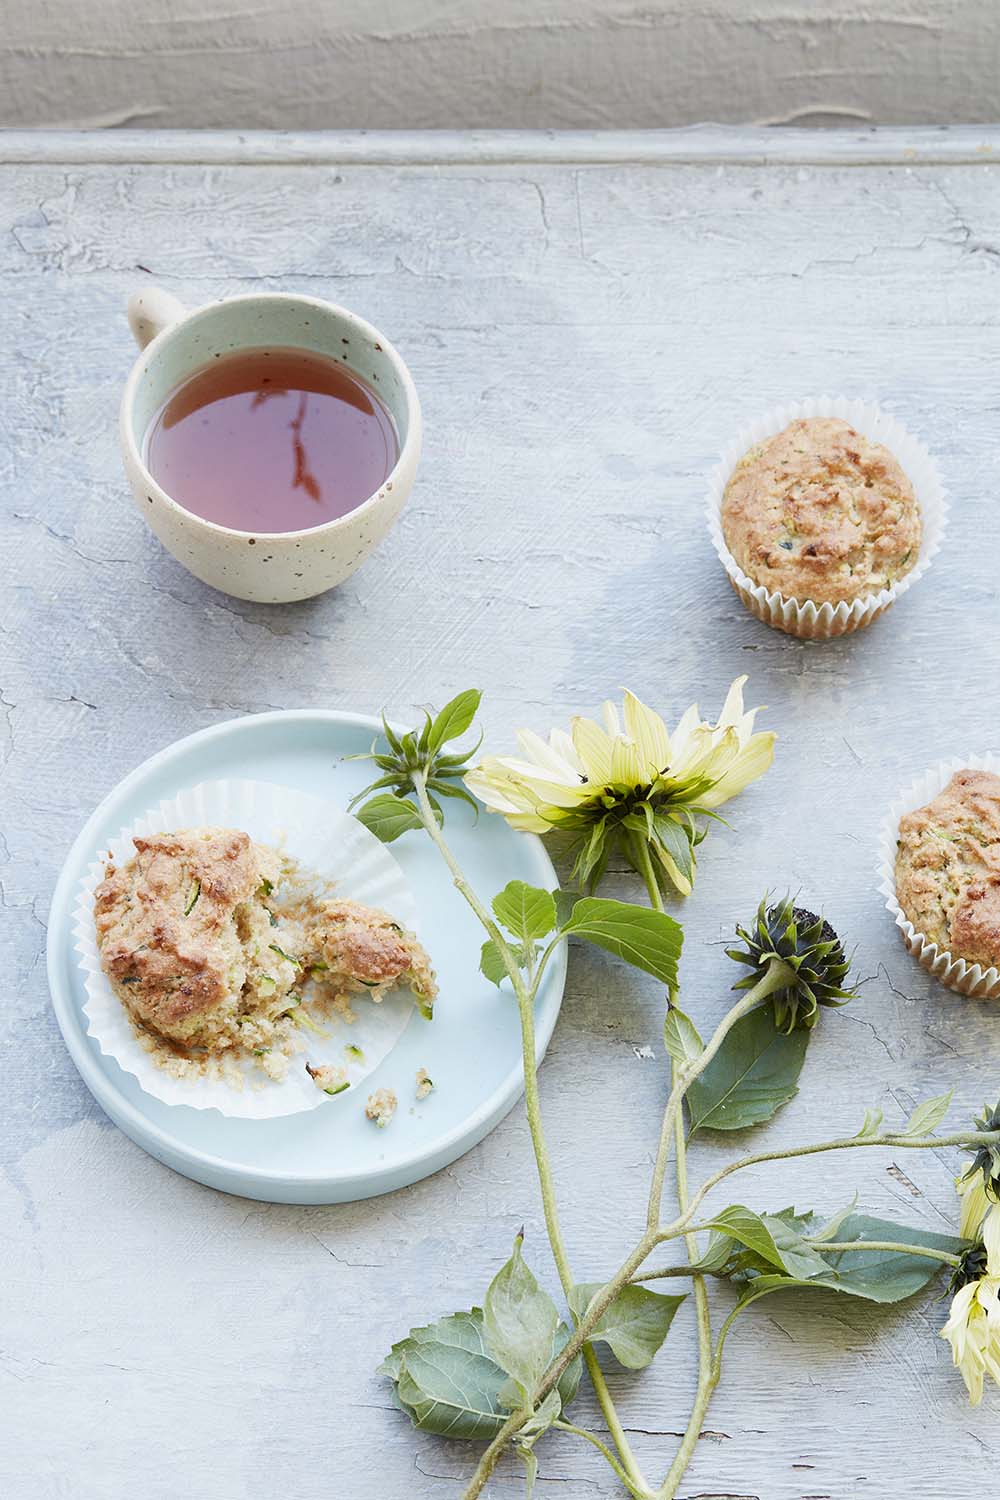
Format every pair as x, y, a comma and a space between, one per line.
608, 785
973, 1326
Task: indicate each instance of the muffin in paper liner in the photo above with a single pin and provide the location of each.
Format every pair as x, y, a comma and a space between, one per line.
955, 973
803, 618
326, 841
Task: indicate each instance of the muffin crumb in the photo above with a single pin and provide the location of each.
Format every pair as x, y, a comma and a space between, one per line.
331, 1080
425, 1084
381, 1107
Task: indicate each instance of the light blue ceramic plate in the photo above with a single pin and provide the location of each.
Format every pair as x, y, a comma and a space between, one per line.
471, 1049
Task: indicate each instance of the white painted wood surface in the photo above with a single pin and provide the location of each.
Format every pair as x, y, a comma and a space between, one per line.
585, 337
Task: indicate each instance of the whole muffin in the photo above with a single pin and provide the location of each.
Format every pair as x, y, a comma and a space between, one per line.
186, 938
948, 868
819, 512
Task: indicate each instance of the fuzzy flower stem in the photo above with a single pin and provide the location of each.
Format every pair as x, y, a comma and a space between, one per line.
627, 1270
707, 1379
561, 1425
832, 1246
669, 1487
599, 1305
706, 1386
526, 1010
461, 884
703, 1315
776, 977
844, 1143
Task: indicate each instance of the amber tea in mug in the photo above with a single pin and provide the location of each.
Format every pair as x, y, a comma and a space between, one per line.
272, 440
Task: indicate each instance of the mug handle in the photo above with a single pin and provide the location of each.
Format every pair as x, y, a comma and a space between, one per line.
151, 311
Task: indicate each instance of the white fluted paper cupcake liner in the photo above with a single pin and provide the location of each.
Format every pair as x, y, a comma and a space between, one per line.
955, 973
323, 839
801, 617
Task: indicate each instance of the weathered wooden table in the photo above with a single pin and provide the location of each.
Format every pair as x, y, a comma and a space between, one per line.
588, 319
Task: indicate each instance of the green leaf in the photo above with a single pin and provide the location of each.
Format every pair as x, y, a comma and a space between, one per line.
448, 789
717, 1260
520, 1320
491, 964
454, 719
546, 1412
873, 1275
395, 780
786, 1231
831, 1229
456, 763
927, 1116
680, 1037
565, 902
635, 1324
448, 1382
525, 910
593, 857
569, 1380
387, 817
774, 1241
870, 1125
675, 841
537, 1425
640, 821
744, 1227
394, 742
753, 1073
649, 940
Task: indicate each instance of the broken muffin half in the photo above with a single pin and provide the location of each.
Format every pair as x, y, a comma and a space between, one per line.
207, 958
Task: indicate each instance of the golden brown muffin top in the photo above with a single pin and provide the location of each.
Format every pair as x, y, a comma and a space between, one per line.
948, 868
172, 924
364, 946
820, 512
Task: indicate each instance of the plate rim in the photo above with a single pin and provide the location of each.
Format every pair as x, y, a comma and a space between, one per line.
155, 1140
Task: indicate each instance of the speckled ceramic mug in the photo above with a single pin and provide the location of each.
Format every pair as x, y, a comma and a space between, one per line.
269, 567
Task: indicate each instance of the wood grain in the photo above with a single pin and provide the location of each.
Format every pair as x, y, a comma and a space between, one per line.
585, 338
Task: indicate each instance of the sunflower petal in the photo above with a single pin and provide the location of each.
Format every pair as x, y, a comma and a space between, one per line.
975, 1205
547, 757
627, 769
594, 748
649, 734
732, 709
991, 1239
681, 734
750, 762
535, 782
498, 792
